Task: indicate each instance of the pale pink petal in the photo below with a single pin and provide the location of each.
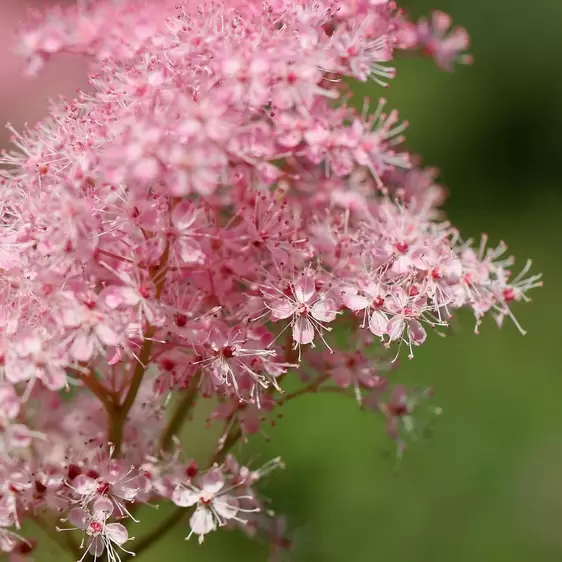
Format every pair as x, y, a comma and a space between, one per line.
205, 181
146, 169
126, 490
117, 533
184, 215
213, 482
84, 485
304, 288
416, 332
71, 316
282, 308
8, 260
399, 298
226, 507
113, 297
395, 327
106, 334
102, 508
184, 497
79, 517
202, 522
96, 547
324, 310
378, 323
29, 344
452, 270
119, 296
190, 250
401, 265
303, 331
53, 376
82, 347
129, 297
353, 301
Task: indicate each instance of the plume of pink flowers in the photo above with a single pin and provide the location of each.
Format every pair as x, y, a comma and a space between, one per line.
213, 221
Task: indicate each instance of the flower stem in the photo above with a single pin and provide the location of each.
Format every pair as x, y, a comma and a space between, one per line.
118, 412
91, 382
180, 414
232, 438
158, 532
312, 387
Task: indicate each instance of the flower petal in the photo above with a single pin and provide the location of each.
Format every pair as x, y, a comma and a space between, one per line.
84, 485
353, 301
303, 331
213, 482
184, 215
106, 334
324, 310
226, 507
378, 323
202, 522
102, 508
304, 288
416, 332
117, 533
190, 250
82, 347
395, 327
184, 497
282, 308
96, 547
399, 298
79, 517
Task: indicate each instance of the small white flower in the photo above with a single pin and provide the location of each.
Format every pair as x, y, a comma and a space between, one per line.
99, 534
214, 505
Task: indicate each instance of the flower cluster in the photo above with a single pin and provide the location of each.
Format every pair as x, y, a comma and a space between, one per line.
213, 219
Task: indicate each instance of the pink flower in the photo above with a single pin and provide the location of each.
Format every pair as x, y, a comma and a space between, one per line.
186, 224
216, 206
214, 505
370, 302
307, 310
406, 311
99, 535
92, 327
235, 356
38, 357
117, 483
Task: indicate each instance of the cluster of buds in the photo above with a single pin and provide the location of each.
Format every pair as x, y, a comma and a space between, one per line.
210, 221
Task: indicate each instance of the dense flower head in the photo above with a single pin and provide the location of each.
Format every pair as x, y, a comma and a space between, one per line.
212, 218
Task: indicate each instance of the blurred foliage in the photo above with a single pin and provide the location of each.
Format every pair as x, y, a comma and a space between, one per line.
487, 484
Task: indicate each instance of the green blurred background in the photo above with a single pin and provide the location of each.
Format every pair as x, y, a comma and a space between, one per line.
488, 484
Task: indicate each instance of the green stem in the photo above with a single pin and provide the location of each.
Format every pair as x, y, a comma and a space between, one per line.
312, 387
232, 438
166, 525
180, 414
